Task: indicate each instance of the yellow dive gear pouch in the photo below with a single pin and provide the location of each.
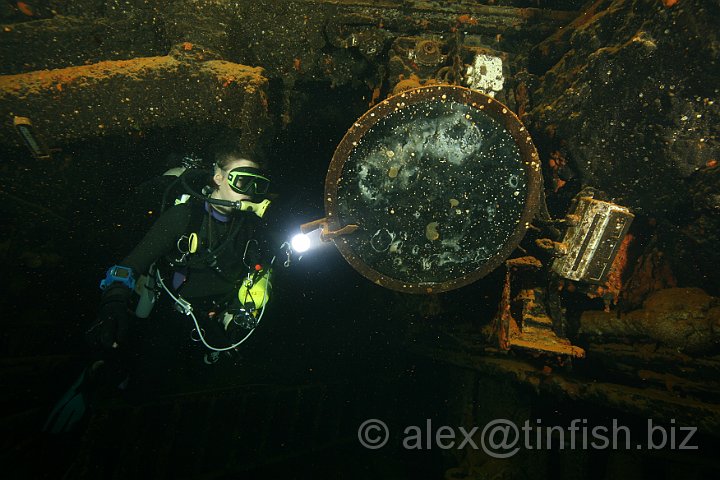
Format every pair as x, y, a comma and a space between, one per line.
254, 292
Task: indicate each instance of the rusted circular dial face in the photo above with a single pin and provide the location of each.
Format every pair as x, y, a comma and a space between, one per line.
443, 182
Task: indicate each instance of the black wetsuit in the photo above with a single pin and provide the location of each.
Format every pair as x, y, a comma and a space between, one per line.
166, 344
214, 272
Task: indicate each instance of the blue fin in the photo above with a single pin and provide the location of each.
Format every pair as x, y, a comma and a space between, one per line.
69, 409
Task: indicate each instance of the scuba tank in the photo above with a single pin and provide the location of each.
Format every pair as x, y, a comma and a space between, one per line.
145, 288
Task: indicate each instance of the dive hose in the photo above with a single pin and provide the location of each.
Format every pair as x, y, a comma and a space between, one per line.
187, 309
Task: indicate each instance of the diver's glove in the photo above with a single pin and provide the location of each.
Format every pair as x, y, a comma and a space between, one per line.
113, 320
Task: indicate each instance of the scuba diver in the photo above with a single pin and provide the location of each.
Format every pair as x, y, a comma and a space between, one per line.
204, 267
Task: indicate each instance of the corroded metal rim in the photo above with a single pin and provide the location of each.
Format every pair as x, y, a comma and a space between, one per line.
445, 93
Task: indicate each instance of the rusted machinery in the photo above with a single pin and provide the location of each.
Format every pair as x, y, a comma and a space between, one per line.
435, 187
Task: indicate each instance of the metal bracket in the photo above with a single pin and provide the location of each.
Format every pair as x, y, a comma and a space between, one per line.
534, 329
325, 234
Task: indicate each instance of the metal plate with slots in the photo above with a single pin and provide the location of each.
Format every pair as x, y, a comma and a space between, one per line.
592, 243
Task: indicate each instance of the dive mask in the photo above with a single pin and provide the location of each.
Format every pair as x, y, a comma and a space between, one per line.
248, 181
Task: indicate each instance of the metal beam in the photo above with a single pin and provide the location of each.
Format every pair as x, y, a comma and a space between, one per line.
119, 97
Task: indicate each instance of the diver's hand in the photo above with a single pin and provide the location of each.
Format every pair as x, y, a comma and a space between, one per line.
113, 320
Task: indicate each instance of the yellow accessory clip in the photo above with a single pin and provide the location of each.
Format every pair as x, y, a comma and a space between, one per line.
192, 243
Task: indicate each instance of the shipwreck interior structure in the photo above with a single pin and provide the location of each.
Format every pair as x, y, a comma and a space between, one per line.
519, 208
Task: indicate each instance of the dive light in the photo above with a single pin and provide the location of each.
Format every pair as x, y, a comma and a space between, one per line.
300, 243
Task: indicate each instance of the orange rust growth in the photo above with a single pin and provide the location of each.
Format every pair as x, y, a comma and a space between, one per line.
48, 79
557, 161
547, 369
296, 64
534, 331
466, 19
682, 319
504, 323
546, 342
610, 291
413, 81
187, 46
25, 9
545, 244
528, 262
669, 3
522, 99
651, 273
263, 100
41, 80
588, 15
374, 97
44, 88
711, 163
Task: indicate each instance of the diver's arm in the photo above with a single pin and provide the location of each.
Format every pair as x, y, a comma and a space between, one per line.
160, 240
113, 322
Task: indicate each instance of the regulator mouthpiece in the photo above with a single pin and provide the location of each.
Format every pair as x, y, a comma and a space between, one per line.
257, 208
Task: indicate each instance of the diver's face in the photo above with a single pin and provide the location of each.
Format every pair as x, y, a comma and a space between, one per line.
224, 191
